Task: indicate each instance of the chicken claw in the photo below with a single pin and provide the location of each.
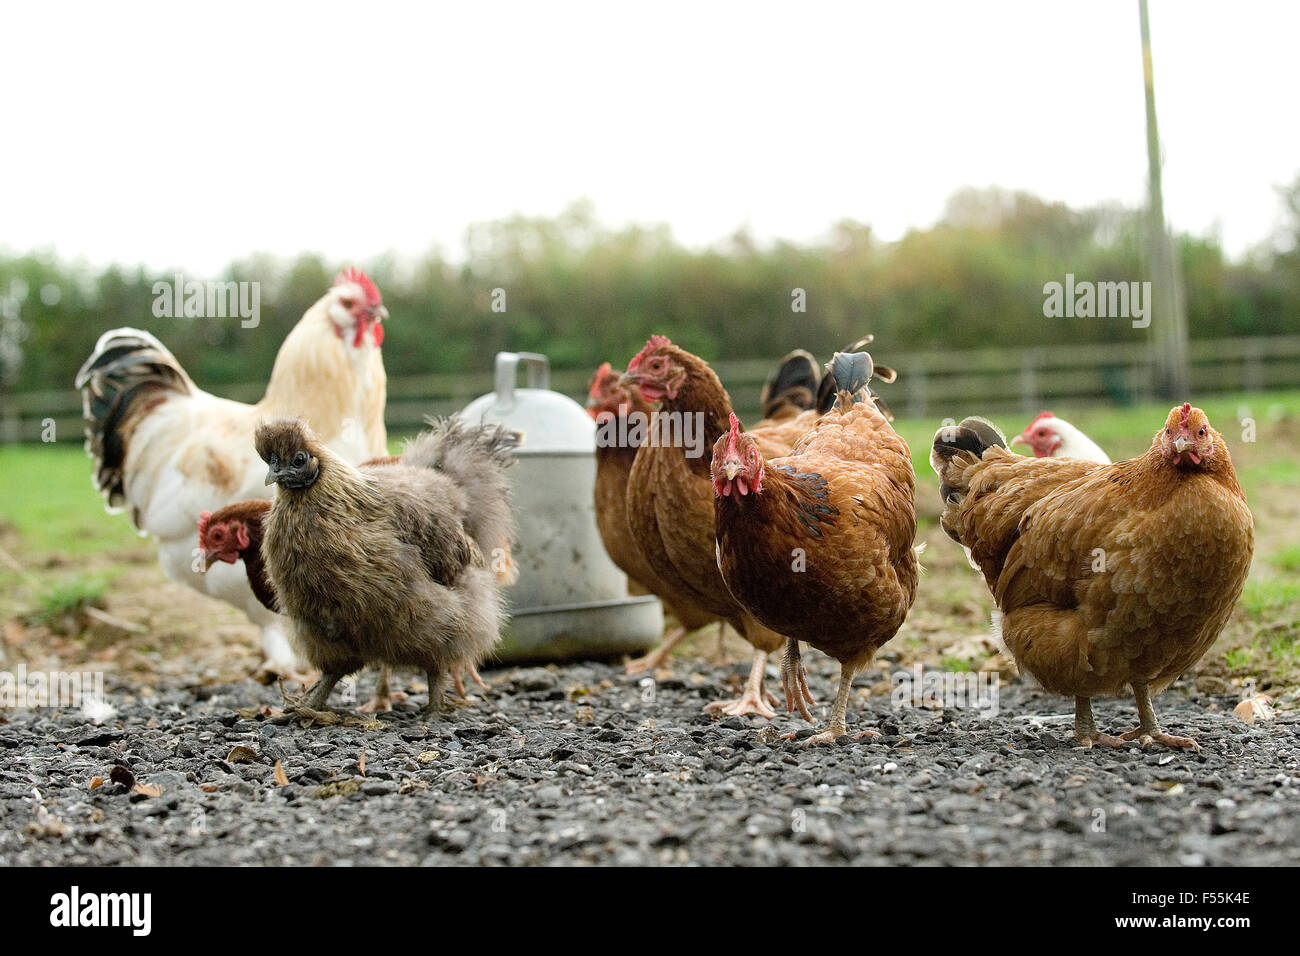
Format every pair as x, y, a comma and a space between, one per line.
1148, 730
1085, 730
794, 681
473, 675
837, 725
1146, 738
438, 705
382, 699
655, 659
754, 700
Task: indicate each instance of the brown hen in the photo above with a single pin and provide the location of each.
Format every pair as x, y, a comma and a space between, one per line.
817, 545
1107, 577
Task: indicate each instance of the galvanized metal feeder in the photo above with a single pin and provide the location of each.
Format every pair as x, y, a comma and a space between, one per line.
570, 600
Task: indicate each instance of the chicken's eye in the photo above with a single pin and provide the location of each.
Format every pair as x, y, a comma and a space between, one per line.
346, 302
1042, 433
1201, 433
217, 534
300, 459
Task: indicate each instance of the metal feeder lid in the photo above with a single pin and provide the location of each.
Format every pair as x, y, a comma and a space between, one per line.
551, 423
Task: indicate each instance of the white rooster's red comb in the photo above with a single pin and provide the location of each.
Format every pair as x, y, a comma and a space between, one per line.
367, 284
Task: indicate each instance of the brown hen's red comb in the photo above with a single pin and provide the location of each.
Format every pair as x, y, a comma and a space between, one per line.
368, 287
656, 341
1187, 414
732, 435
601, 376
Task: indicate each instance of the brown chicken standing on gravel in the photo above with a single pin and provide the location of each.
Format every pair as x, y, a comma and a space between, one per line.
670, 494
817, 545
1107, 577
383, 565
788, 391
607, 402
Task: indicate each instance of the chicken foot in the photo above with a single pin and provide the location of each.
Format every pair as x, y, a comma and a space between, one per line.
1085, 730
383, 698
837, 726
460, 684
794, 681
1148, 731
318, 697
384, 695
754, 699
437, 704
653, 660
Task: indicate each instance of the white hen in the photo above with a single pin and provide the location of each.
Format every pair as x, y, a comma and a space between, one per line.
166, 451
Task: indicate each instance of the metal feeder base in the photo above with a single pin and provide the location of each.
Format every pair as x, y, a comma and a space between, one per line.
599, 629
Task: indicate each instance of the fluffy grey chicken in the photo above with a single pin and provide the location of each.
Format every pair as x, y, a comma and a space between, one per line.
398, 565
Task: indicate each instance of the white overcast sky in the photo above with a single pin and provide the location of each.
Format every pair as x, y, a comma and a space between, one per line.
185, 135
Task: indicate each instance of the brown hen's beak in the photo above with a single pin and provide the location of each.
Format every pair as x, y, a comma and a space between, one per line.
732, 468
1181, 444
629, 379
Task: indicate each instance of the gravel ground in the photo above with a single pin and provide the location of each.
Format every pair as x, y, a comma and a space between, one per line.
580, 764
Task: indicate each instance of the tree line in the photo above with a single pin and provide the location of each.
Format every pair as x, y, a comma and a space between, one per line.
584, 293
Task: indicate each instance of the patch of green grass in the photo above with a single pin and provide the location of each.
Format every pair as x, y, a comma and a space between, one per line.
1288, 559
1264, 595
955, 664
46, 494
1125, 432
67, 597
1239, 658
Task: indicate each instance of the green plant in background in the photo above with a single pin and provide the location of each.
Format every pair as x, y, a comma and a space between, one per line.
69, 598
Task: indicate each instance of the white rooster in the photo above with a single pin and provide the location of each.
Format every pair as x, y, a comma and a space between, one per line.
165, 450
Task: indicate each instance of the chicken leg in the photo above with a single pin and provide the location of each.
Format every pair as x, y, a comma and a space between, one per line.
794, 681
459, 684
837, 726
437, 703
318, 697
1085, 731
1148, 731
655, 659
383, 698
754, 699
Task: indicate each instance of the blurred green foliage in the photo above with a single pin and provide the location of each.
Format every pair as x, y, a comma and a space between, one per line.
584, 293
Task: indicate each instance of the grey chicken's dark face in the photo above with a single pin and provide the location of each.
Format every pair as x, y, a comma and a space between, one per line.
286, 449
297, 472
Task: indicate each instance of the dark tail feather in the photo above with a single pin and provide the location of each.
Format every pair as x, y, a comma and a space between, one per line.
964, 443
792, 386
846, 372
120, 380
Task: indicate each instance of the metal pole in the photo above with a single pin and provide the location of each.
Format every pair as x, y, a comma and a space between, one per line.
1168, 313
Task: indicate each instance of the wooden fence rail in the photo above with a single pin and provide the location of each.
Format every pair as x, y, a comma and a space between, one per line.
930, 384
